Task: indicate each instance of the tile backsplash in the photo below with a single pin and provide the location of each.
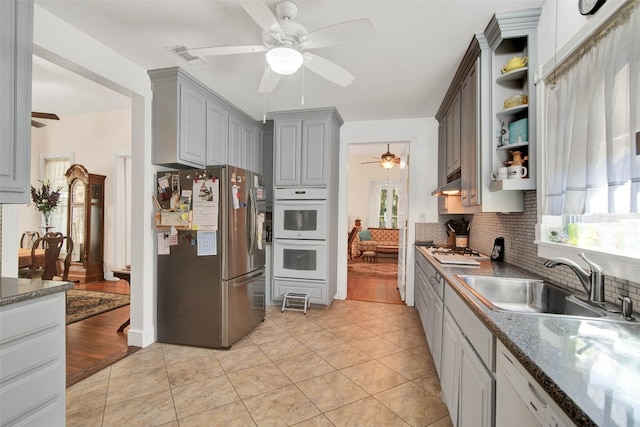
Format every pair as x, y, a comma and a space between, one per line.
518, 229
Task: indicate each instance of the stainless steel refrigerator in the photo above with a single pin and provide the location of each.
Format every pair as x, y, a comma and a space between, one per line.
212, 300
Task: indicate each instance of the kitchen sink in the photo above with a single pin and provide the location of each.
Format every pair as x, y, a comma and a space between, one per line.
527, 296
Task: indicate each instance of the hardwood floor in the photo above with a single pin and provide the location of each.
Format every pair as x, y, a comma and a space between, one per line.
373, 289
94, 343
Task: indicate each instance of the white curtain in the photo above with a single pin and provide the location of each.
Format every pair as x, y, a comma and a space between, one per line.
591, 123
375, 192
54, 170
375, 203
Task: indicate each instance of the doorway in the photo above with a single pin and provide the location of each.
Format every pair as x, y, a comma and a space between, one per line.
377, 199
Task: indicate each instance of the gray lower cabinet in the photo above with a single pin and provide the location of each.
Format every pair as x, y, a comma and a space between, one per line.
467, 349
318, 291
32, 362
16, 35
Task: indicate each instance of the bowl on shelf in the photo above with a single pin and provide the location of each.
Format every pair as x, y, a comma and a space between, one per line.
515, 100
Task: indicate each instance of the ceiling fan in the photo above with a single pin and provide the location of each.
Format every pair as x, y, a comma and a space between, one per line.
387, 160
48, 116
286, 43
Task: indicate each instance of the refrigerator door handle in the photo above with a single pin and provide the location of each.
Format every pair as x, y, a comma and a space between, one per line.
250, 278
252, 217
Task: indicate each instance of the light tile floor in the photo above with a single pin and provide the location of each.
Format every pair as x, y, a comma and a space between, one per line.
355, 364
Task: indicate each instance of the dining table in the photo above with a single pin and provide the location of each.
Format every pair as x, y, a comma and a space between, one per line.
24, 257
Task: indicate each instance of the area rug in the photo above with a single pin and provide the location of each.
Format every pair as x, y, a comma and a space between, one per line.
383, 267
83, 304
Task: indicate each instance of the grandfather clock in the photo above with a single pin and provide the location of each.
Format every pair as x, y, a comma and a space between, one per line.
86, 224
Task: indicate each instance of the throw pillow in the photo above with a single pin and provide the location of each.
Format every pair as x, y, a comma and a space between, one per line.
364, 235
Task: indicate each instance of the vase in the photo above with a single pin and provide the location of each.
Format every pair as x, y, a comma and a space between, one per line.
46, 215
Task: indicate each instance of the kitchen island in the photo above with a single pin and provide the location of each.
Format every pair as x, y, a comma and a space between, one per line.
588, 367
32, 351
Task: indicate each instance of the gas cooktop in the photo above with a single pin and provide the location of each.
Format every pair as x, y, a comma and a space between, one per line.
462, 252
456, 256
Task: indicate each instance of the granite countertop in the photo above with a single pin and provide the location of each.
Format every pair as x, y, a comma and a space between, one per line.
14, 290
591, 368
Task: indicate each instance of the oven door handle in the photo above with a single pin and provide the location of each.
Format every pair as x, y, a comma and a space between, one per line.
292, 242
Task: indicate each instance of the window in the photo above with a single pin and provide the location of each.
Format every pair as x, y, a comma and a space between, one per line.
53, 168
383, 204
591, 184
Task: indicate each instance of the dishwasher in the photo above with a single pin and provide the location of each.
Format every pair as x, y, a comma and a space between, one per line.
519, 398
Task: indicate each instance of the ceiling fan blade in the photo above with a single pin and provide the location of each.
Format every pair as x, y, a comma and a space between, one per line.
225, 50
269, 81
345, 32
50, 116
366, 163
37, 124
261, 13
327, 69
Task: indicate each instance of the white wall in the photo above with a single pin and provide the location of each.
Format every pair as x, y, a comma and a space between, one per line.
422, 136
93, 139
359, 177
64, 45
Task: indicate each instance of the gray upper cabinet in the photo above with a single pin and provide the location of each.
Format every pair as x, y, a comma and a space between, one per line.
266, 169
453, 135
469, 138
472, 113
235, 141
287, 149
217, 134
315, 152
193, 127
16, 36
305, 147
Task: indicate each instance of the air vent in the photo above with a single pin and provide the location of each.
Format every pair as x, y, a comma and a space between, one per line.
181, 51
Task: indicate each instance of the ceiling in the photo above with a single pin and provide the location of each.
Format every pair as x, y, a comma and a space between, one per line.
403, 72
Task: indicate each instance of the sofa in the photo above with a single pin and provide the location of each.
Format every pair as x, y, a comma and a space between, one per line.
371, 238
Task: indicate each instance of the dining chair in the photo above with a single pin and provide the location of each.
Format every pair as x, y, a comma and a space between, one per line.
55, 267
29, 238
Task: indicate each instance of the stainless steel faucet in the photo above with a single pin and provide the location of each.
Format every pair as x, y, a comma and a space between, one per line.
592, 281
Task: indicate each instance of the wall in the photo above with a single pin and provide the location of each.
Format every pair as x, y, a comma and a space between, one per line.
64, 45
93, 139
422, 136
359, 177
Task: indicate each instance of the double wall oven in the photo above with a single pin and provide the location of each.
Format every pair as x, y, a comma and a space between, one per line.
300, 230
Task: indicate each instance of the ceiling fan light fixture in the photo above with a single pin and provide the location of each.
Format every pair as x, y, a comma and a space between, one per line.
387, 164
284, 60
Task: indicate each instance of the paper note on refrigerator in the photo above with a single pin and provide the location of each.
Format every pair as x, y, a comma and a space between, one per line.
205, 216
235, 196
163, 244
206, 190
207, 244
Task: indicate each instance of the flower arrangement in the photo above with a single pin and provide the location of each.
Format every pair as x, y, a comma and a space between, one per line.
45, 200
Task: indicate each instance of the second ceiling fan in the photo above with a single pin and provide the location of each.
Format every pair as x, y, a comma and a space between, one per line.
287, 43
387, 160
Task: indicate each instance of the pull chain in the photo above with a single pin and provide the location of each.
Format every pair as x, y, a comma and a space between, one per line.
264, 95
302, 100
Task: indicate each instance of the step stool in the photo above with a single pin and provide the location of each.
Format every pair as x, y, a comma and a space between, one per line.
298, 298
